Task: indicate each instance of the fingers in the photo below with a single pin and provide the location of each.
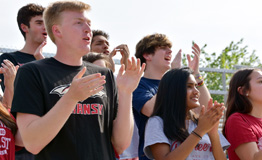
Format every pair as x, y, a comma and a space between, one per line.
210, 104
142, 69
113, 53
8, 67
121, 70
176, 63
202, 110
84, 87
196, 49
188, 58
123, 49
216, 112
42, 44
80, 73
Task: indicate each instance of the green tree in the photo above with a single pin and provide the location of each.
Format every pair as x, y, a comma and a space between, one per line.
232, 57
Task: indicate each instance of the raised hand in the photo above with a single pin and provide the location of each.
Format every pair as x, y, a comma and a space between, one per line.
176, 63
9, 71
39, 51
194, 64
127, 80
83, 87
124, 51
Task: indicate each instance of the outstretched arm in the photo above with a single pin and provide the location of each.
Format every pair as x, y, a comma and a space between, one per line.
194, 65
127, 81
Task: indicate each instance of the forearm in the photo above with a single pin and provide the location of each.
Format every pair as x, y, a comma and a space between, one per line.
216, 147
37, 131
183, 151
258, 155
18, 139
124, 123
8, 97
148, 108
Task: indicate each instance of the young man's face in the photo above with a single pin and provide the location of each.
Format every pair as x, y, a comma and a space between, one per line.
161, 59
36, 31
100, 45
75, 32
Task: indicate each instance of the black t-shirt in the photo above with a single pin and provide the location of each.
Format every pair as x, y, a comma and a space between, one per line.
17, 58
87, 133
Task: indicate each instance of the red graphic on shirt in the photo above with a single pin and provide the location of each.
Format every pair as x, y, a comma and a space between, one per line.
88, 109
199, 147
4, 141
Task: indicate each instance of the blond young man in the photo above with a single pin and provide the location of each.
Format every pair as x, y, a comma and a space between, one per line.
74, 111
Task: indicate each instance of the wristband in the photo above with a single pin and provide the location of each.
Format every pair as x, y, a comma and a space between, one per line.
201, 83
198, 76
197, 135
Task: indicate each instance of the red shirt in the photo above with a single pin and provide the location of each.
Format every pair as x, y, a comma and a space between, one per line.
242, 128
7, 143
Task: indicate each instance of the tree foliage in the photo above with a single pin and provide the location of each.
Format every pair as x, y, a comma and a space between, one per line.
234, 56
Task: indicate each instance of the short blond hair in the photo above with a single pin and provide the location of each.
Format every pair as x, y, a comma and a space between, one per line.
53, 11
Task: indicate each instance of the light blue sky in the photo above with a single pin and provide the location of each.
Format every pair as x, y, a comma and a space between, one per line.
215, 23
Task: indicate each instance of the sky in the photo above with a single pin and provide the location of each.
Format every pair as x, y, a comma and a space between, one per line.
215, 23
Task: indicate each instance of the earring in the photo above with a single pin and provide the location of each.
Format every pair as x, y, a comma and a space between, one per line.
247, 94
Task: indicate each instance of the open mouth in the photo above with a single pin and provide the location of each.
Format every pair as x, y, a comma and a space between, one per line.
195, 98
106, 52
44, 34
168, 58
86, 38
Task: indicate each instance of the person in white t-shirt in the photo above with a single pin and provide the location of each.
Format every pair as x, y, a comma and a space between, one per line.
173, 131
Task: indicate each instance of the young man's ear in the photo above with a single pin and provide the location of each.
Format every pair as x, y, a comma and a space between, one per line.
24, 27
147, 56
56, 31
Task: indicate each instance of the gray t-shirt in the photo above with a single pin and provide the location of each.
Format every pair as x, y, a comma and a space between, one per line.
132, 150
155, 134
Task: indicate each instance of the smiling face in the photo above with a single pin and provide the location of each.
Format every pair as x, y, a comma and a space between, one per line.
74, 32
100, 45
36, 33
255, 92
192, 93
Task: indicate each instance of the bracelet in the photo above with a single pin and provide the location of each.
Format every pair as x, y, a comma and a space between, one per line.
201, 83
196, 134
198, 76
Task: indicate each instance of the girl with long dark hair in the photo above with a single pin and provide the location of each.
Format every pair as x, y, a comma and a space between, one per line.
243, 126
173, 131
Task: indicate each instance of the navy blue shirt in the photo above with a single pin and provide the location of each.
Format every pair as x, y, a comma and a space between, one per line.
146, 89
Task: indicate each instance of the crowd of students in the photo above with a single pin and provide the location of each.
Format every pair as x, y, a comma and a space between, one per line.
73, 106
